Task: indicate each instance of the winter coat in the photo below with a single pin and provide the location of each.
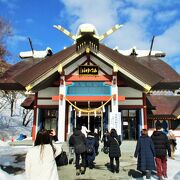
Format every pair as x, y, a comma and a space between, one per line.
145, 152
96, 136
114, 143
90, 141
78, 141
161, 144
42, 165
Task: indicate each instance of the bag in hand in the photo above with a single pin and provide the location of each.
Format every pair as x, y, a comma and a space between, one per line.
106, 149
62, 159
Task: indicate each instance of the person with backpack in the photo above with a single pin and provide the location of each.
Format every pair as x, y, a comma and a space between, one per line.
90, 150
40, 160
78, 141
114, 143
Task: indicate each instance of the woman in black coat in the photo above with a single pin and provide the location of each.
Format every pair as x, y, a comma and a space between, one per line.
114, 143
145, 152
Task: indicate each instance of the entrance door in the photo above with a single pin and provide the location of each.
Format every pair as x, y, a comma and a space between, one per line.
129, 128
48, 119
129, 124
94, 122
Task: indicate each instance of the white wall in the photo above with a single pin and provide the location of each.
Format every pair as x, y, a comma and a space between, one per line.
49, 92
129, 92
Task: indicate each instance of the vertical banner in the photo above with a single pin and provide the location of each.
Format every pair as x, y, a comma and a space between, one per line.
115, 122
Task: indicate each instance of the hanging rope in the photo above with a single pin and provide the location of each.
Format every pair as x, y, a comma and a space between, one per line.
86, 110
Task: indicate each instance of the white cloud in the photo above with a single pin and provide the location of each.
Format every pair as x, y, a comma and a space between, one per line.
166, 15
103, 14
169, 41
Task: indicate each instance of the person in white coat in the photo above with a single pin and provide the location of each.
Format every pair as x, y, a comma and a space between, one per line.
40, 160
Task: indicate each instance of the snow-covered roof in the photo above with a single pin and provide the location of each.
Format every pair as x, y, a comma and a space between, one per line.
36, 54
140, 53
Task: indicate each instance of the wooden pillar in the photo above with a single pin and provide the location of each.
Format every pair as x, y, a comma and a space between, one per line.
34, 128
114, 101
62, 110
145, 111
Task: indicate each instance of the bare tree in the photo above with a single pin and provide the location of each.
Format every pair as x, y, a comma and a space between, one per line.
5, 31
27, 116
10, 97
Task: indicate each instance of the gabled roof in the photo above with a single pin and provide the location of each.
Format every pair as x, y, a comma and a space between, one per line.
42, 67
171, 79
7, 80
134, 67
128, 64
160, 67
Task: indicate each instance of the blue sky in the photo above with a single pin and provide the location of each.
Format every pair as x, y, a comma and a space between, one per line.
141, 19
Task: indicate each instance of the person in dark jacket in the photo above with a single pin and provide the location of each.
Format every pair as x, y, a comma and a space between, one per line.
161, 145
114, 143
90, 155
97, 138
78, 141
145, 152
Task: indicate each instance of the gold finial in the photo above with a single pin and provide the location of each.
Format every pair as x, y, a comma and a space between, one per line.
88, 50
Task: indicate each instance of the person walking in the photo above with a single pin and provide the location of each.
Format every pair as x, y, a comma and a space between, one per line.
172, 142
114, 143
78, 141
84, 130
161, 145
97, 138
40, 160
145, 152
90, 153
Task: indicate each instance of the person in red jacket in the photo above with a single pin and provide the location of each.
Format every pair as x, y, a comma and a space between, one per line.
161, 145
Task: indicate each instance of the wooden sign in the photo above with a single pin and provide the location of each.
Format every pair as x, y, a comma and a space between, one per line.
88, 70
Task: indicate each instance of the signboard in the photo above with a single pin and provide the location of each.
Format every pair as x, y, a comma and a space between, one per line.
115, 122
88, 70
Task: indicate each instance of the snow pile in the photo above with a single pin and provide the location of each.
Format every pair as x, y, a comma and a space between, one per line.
6, 176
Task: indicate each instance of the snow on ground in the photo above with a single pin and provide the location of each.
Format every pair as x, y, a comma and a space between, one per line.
5, 149
6, 176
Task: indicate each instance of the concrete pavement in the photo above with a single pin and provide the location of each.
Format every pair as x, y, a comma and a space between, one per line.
100, 172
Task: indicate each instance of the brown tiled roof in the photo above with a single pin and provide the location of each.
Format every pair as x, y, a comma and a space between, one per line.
164, 105
134, 67
7, 81
28, 103
160, 67
38, 69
